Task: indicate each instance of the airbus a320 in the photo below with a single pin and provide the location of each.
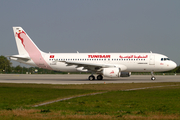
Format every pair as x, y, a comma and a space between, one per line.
104, 64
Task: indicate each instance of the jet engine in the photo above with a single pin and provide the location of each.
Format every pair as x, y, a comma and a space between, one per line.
115, 72
111, 72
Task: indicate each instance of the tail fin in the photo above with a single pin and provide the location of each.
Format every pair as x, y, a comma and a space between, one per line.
29, 53
24, 43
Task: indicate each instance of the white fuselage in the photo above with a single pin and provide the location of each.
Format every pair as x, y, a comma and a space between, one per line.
130, 62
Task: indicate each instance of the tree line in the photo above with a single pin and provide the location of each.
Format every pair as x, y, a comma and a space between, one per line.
6, 67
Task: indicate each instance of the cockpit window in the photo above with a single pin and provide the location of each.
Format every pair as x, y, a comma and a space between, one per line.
164, 59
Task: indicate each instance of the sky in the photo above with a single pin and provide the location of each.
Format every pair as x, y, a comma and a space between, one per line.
68, 26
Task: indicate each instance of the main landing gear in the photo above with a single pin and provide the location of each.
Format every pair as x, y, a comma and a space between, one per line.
152, 76
99, 77
92, 77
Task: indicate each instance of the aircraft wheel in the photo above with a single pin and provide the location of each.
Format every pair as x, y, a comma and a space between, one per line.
91, 78
99, 77
153, 78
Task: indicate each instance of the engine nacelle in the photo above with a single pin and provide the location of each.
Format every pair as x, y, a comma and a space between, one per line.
115, 72
125, 74
111, 72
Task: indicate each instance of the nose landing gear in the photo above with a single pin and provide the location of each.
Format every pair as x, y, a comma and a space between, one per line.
152, 76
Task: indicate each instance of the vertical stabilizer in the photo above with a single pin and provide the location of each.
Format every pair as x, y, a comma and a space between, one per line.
24, 43
27, 48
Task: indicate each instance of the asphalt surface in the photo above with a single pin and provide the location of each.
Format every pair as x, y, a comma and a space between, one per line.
81, 79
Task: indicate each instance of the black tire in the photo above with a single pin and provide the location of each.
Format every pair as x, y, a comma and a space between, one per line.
99, 77
153, 78
91, 78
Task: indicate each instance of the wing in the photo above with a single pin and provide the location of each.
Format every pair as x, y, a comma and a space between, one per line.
94, 67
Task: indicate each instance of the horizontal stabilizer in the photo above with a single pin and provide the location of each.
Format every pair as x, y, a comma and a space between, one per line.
22, 57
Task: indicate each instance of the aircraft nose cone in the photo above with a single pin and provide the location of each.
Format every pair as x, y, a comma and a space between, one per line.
173, 65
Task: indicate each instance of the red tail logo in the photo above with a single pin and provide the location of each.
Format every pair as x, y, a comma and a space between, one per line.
19, 36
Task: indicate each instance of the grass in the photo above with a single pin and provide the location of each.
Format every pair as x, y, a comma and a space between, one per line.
15, 96
162, 100
16, 101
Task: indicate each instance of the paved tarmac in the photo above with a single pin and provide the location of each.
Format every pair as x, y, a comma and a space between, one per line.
81, 79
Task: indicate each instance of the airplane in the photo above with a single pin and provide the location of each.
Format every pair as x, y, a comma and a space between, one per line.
104, 64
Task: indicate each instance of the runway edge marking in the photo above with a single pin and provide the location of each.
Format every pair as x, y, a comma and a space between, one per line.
148, 87
46, 103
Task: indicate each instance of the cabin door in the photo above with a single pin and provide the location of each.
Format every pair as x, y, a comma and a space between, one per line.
152, 60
